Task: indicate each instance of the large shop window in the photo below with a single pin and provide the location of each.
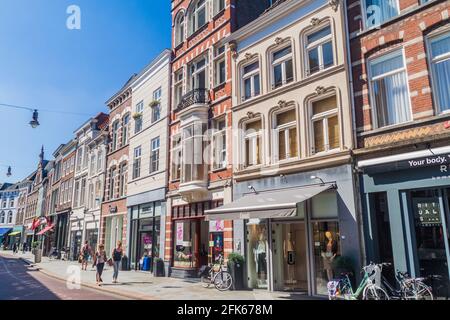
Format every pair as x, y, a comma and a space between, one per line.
282, 67
320, 50
185, 235
253, 143
286, 135
257, 248
389, 86
194, 167
325, 122
440, 52
379, 11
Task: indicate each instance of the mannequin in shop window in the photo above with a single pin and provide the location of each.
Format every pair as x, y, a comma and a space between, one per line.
260, 259
331, 247
289, 257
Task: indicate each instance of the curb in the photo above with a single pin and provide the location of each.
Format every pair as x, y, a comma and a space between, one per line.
91, 286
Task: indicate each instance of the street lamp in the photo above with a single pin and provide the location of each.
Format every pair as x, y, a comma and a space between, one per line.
317, 178
34, 123
8, 173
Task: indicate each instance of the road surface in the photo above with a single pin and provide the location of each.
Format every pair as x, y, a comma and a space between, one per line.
20, 281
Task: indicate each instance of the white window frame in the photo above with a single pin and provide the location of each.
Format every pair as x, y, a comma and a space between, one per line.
125, 129
281, 61
155, 149
156, 97
194, 74
139, 109
218, 59
385, 56
324, 116
178, 86
194, 26
175, 149
137, 163
250, 76
433, 61
253, 138
180, 28
217, 7
319, 45
286, 128
115, 135
219, 153
363, 5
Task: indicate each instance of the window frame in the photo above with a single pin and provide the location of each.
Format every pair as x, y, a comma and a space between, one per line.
139, 108
178, 84
250, 76
286, 128
253, 137
216, 136
125, 129
220, 57
194, 14
281, 61
180, 28
176, 148
115, 135
363, 6
155, 153
319, 45
193, 74
157, 94
136, 171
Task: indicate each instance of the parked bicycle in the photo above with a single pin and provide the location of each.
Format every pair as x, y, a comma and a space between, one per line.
409, 288
217, 275
53, 254
368, 289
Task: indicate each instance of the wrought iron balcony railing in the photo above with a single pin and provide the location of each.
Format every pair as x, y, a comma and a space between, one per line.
196, 96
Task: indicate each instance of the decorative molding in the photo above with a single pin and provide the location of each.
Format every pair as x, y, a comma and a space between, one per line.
282, 104
233, 48
334, 4
315, 21
278, 40
251, 115
248, 56
321, 90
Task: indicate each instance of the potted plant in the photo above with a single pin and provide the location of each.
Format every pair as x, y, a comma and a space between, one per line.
236, 267
158, 267
37, 251
154, 103
137, 115
342, 265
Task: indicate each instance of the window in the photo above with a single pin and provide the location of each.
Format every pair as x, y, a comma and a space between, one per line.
83, 192
198, 16
2, 217
282, 67
286, 145
253, 143
115, 135
98, 193
176, 157
219, 144
112, 183
122, 179
178, 87
440, 61
379, 11
77, 194
251, 81
91, 196
154, 160
10, 217
99, 160
92, 167
11, 204
198, 74
138, 120
325, 123
79, 160
125, 128
219, 66
219, 5
137, 162
320, 50
85, 158
389, 86
193, 146
156, 109
179, 29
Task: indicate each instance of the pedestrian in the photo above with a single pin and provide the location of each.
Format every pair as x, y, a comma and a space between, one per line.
117, 257
99, 262
85, 253
24, 247
14, 248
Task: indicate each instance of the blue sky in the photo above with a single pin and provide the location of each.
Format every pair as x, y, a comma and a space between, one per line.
45, 65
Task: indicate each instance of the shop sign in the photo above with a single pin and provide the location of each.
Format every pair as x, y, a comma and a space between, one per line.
180, 233
113, 209
216, 226
427, 212
441, 160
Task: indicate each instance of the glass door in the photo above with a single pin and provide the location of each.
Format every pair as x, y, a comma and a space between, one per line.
290, 256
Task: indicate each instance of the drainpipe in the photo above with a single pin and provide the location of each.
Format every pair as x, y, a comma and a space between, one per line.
355, 175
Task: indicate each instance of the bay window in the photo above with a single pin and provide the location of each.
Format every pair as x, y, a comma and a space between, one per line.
251, 85
178, 87
325, 125
286, 146
282, 67
379, 11
154, 160
194, 167
389, 86
319, 49
137, 163
253, 143
440, 61
219, 144
176, 157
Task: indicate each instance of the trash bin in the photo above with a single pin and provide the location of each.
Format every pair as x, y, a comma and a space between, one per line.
158, 268
237, 272
124, 264
146, 264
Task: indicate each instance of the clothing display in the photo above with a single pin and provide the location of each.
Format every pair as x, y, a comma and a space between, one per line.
291, 258
261, 262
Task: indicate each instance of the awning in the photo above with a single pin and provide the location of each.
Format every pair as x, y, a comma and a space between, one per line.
268, 204
15, 233
47, 228
4, 231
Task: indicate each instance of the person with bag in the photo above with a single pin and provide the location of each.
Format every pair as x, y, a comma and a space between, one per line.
99, 262
117, 258
85, 253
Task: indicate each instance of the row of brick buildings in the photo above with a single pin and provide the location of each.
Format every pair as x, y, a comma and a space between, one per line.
295, 133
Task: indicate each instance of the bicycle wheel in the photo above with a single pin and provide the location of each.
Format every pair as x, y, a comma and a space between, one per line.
373, 292
223, 281
422, 291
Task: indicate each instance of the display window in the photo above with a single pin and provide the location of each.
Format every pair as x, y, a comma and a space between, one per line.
185, 233
257, 249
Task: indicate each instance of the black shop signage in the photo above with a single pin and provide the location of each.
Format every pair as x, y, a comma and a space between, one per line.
440, 162
427, 212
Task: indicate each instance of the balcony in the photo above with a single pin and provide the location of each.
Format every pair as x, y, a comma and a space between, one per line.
194, 98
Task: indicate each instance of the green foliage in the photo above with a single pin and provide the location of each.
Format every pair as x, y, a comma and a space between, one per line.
236, 258
343, 264
36, 244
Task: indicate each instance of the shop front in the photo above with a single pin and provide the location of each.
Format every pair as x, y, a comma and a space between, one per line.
293, 232
15, 236
62, 231
406, 202
196, 242
113, 231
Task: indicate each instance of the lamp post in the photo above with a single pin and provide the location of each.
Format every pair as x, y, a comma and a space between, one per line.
34, 123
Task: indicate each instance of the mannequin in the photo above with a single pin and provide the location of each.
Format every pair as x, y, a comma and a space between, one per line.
289, 257
329, 254
259, 252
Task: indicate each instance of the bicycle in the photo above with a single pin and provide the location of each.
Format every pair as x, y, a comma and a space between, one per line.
368, 289
54, 254
217, 275
413, 288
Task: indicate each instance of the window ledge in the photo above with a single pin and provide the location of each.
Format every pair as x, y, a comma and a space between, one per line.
220, 86
197, 32
218, 14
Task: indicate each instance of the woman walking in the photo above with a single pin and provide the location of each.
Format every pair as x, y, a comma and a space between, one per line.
117, 257
99, 262
85, 253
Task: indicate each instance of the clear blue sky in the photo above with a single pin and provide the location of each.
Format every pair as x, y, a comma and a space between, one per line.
45, 65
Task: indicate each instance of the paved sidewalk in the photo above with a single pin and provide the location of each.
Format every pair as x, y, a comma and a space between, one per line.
142, 285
